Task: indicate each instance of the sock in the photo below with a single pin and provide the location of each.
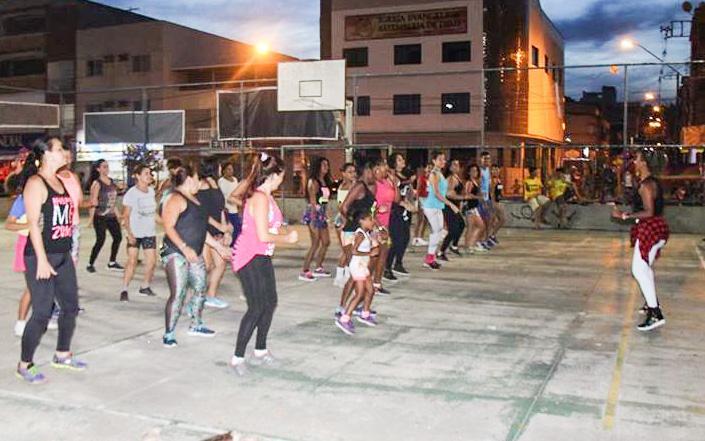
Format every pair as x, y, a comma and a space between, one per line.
124, 287
260, 352
237, 360
345, 318
339, 273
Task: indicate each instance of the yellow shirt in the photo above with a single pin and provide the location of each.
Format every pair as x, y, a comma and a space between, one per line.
532, 188
557, 188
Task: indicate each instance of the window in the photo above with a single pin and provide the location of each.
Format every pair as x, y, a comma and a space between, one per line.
355, 56
109, 59
407, 54
94, 68
363, 106
455, 103
141, 63
23, 24
535, 56
407, 104
19, 68
456, 51
545, 63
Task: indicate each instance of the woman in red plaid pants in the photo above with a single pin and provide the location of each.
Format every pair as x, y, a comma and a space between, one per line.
648, 235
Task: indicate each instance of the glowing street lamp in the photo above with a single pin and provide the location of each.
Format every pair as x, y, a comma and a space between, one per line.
627, 43
649, 96
657, 109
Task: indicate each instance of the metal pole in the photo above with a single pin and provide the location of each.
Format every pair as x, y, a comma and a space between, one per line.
354, 111
483, 96
626, 106
145, 104
242, 116
61, 116
282, 151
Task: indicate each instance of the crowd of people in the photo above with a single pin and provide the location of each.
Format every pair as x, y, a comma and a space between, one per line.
209, 221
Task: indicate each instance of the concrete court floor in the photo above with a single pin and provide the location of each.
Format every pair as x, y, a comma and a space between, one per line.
533, 342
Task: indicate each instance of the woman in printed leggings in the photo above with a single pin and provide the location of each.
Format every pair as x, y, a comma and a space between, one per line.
50, 272
103, 215
252, 261
649, 235
433, 207
455, 221
185, 228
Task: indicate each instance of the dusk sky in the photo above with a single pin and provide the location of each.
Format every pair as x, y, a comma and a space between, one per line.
592, 30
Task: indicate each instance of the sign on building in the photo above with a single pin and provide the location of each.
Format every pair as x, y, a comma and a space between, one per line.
406, 24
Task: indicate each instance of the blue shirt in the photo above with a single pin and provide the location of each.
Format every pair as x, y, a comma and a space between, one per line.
485, 179
18, 210
432, 201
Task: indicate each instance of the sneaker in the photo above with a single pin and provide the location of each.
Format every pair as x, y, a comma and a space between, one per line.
382, 291
169, 342
456, 251
264, 360
30, 374
487, 244
69, 363
494, 239
124, 297
389, 276
442, 256
307, 276
654, 319
90, 268
369, 321
19, 327
201, 331
432, 265
114, 266
147, 292
339, 311
320, 272
419, 242
479, 249
346, 327
358, 312
399, 270
216, 302
240, 368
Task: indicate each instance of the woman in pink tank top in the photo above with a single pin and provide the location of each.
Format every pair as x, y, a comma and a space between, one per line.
386, 194
252, 260
73, 186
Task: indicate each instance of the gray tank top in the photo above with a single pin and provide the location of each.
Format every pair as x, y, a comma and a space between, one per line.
107, 196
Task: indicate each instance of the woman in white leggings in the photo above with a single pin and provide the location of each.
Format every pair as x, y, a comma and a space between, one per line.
433, 207
649, 235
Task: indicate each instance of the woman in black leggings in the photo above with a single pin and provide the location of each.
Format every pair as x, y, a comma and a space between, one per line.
103, 215
50, 273
455, 221
400, 222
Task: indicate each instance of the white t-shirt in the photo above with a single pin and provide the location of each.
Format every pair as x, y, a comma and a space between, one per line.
227, 187
143, 208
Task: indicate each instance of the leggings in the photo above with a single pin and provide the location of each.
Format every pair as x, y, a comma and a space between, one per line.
435, 221
182, 275
236, 222
400, 233
101, 223
644, 274
456, 226
260, 289
64, 289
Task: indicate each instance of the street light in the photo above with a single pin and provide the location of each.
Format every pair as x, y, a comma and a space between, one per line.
649, 96
657, 109
630, 43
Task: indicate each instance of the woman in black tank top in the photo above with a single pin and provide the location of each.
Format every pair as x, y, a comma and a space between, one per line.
103, 215
475, 224
50, 272
455, 221
648, 236
186, 233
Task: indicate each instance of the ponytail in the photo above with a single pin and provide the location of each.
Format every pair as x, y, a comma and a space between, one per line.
95, 174
263, 167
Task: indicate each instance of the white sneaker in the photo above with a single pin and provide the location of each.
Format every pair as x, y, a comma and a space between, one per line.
419, 242
19, 327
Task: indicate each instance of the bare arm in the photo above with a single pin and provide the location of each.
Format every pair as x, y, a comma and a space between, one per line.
433, 180
313, 188
126, 222
236, 197
11, 224
93, 201
359, 237
259, 206
355, 193
35, 193
173, 207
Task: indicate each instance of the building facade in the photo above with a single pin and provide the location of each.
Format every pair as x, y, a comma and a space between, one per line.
692, 92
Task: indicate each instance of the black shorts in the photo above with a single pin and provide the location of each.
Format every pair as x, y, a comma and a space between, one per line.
146, 243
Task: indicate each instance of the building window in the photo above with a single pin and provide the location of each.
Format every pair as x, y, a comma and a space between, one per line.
355, 56
455, 103
407, 54
456, 51
545, 63
23, 24
407, 104
109, 59
363, 106
94, 68
535, 56
123, 57
141, 63
19, 68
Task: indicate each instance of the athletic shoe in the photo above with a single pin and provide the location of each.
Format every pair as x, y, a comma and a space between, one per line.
307, 276
90, 268
30, 374
169, 342
216, 302
69, 363
644, 309
654, 319
399, 270
239, 368
389, 276
339, 311
432, 265
358, 312
369, 321
114, 266
19, 327
442, 256
201, 331
320, 272
346, 327
124, 297
381, 291
264, 360
479, 249
494, 239
486, 245
147, 292
419, 242
456, 251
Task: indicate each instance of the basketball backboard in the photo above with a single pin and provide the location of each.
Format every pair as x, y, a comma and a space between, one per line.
20, 115
311, 85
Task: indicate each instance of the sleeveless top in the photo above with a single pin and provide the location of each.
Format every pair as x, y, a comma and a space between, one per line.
213, 202
498, 190
323, 193
107, 196
342, 194
55, 222
384, 195
191, 226
73, 187
431, 200
458, 189
473, 203
248, 245
366, 245
367, 203
638, 204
